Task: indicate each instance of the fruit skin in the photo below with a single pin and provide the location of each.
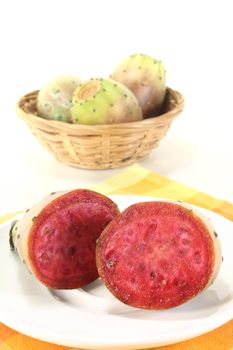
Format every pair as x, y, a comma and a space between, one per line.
158, 255
146, 78
56, 238
54, 100
104, 101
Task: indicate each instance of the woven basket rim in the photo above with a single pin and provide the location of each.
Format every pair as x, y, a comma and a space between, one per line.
178, 107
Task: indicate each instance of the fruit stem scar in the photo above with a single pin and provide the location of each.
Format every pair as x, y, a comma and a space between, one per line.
88, 91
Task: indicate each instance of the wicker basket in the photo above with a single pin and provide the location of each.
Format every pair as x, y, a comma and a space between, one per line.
100, 146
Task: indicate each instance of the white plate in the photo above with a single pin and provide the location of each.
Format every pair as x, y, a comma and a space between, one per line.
91, 318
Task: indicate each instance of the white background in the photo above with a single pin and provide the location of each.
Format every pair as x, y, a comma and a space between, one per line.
43, 39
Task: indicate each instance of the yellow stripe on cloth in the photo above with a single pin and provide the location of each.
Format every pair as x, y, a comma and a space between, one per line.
139, 181
7, 217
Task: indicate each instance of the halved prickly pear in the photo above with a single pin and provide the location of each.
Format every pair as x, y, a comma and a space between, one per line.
56, 238
158, 255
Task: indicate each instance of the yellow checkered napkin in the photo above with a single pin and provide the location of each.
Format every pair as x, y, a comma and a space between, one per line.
139, 181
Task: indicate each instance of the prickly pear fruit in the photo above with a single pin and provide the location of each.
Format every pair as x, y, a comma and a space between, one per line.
56, 238
54, 100
159, 254
104, 101
146, 78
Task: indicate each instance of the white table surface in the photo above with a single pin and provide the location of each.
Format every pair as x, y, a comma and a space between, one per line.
40, 41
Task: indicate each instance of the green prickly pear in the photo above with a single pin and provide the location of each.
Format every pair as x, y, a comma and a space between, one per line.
104, 101
146, 78
54, 100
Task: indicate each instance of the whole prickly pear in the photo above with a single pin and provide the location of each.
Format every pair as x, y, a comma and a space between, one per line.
54, 100
146, 78
104, 101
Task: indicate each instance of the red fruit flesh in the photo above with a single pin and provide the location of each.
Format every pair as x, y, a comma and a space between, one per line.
63, 237
156, 255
